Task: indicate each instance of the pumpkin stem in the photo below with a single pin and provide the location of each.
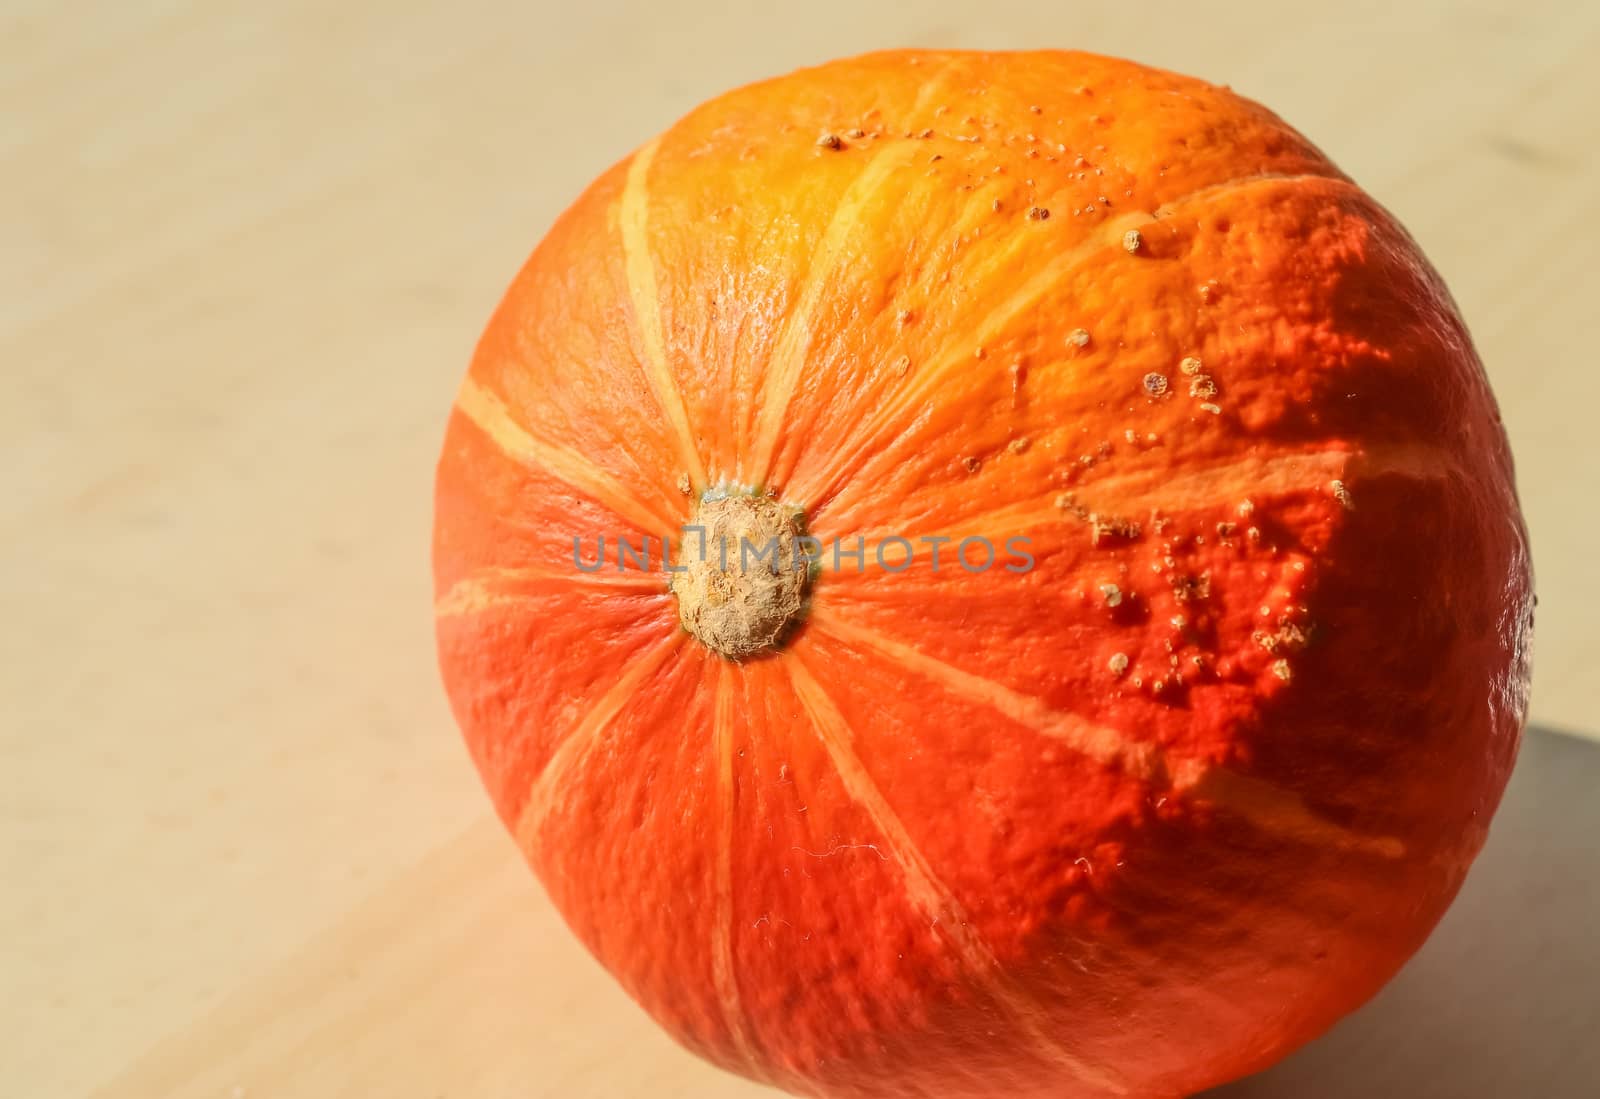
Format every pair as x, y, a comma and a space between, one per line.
744, 573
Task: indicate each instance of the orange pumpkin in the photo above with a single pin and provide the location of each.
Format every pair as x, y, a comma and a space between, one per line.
1133, 816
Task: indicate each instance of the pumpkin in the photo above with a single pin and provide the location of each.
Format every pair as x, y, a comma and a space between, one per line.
1135, 646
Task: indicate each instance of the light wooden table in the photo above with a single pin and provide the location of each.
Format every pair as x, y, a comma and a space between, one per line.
245, 250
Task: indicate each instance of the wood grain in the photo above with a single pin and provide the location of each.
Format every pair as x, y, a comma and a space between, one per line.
245, 250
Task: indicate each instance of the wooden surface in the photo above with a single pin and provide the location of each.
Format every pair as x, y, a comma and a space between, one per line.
245, 250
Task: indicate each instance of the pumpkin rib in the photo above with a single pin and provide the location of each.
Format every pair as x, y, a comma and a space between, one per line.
489, 414
822, 490
1198, 487
1280, 812
722, 961
926, 893
789, 353
790, 349
542, 792
1101, 744
1273, 810
971, 218
484, 588
633, 209
512, 724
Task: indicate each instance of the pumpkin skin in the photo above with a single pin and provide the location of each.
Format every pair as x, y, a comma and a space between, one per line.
1135, 821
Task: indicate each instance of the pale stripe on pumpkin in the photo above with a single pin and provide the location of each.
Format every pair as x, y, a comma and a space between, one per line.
822, 487
490, 414
1138, 493
551, 781
1278, 811
792, 348
928, 895
1264, 805
491, 587
1192, 485
633, 215
722, 964
1098, 742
